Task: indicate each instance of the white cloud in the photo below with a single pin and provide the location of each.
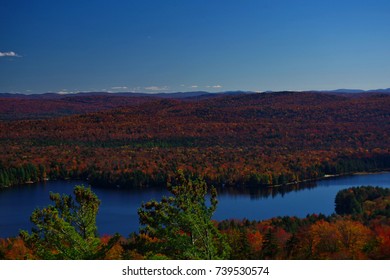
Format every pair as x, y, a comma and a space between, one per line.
119, 88
216, 86
66, 91
194, 86
156, 88
136, 89
9, 54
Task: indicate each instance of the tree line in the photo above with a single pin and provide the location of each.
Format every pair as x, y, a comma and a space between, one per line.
29, 172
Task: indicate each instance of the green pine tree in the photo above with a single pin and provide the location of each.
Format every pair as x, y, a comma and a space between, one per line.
183, 222
67, 229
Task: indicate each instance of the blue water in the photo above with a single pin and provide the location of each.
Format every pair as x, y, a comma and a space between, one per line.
118, 209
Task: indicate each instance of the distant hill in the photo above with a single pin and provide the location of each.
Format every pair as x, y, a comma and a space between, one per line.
52, 105
386, 90
178, 95
343, 90
359, 91
46, 105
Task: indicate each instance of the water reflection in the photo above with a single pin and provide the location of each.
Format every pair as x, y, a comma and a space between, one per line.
260, 192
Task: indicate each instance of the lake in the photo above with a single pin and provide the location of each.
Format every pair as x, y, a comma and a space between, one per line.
118, 210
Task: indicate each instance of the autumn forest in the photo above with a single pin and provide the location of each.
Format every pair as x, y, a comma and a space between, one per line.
196, 145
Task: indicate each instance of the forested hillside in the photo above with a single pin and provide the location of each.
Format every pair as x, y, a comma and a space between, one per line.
254, 139
49, 106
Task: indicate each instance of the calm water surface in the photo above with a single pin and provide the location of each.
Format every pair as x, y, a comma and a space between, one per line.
118, 209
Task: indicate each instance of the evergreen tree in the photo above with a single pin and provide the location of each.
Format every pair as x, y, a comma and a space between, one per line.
183, 223
270, 245
67, 229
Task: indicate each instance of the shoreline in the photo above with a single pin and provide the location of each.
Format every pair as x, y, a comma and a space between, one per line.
325, 177
331, 176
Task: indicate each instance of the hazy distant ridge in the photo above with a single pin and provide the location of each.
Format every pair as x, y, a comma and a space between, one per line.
179, 95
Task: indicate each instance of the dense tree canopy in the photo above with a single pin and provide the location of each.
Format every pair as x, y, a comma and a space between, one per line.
256, 139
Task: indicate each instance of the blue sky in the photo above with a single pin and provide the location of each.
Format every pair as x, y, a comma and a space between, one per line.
185, 45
